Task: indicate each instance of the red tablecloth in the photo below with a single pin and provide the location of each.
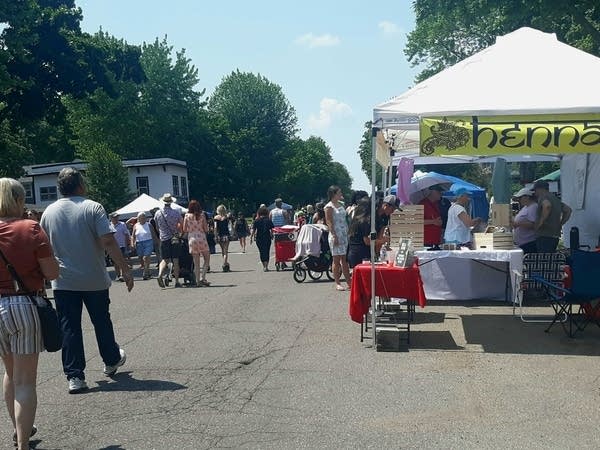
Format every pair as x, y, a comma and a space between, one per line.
390, 281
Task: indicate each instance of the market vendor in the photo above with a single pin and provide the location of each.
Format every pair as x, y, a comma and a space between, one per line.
458, 229
524, 222
432, 216
359, 242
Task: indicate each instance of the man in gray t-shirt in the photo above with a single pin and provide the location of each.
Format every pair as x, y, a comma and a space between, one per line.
79, 233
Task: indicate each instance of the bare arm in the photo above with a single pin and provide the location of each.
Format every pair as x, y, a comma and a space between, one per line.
464, 217
110, 245
546, 208
49, 267
566, 213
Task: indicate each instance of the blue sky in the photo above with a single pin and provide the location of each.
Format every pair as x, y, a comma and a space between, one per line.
334, 60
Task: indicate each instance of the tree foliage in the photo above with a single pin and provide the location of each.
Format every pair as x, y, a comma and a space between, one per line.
66, 93
107, 179
260, 122
448, 31
365, 152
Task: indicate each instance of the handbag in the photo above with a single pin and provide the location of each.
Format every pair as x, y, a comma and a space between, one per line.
51, 331
176, 239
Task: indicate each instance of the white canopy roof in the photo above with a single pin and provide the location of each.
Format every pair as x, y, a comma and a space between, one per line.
524, 72
144, 203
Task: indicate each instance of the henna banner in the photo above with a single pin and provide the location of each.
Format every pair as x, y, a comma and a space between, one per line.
505, 135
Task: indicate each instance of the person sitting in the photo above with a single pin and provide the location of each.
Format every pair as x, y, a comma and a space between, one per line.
524, 222
458, 230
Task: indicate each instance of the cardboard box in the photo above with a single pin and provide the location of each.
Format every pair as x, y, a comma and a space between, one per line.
493, 241
501, 215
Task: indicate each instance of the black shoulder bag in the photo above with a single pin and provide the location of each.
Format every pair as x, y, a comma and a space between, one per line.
51, 332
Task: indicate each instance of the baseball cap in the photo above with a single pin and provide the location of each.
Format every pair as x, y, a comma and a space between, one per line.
541, 184
391, 200
522, 192
462, 191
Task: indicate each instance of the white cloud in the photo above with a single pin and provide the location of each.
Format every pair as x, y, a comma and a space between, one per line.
388, 28
329, 110
313, 41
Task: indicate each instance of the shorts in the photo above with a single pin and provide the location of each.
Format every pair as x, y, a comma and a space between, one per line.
20, 331
169, 250
223, 239
144, 248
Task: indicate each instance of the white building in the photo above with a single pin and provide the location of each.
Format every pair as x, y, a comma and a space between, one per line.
153, 176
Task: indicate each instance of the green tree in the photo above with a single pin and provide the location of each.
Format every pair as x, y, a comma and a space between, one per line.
44, 56
448, 31
260, 122
106, 177
365, 152
308, 170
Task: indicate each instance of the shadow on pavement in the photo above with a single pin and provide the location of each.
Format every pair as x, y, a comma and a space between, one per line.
124, 381
506, 334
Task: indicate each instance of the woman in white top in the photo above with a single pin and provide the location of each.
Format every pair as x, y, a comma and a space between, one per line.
458, 229
143, 241
335, 216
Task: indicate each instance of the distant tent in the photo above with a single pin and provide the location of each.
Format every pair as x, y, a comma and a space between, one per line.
144, 203
552, 176
479, 202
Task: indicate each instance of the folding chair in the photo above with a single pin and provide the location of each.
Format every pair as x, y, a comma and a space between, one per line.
584, 292
549, 266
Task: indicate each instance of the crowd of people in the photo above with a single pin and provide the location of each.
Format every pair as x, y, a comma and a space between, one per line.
33, 245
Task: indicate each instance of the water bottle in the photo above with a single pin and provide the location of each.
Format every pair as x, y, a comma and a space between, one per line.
574, 238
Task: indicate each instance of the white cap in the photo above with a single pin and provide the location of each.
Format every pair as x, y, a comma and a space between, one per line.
524, 191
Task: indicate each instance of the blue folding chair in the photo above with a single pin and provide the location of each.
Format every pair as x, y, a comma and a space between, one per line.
584, 293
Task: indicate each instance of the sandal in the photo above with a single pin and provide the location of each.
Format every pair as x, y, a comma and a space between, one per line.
33, 431
339, 287
205, 283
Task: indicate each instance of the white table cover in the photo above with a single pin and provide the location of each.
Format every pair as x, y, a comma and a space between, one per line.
455, 274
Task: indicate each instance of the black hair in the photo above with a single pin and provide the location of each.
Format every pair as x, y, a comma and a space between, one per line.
332, 191
357, 195
362, 214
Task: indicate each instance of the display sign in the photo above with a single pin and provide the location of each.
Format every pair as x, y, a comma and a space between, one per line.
404, 254
505, 135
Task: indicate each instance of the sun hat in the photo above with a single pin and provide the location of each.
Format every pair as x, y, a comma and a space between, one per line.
462, 191
167, 198
541, 184
524, 191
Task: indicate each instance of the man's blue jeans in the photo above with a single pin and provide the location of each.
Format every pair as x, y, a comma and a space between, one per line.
69, 305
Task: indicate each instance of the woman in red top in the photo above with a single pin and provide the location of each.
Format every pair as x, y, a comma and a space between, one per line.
25, 245
432, 217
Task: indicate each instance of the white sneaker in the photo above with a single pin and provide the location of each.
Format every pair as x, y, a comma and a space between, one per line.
77, 385
109, 371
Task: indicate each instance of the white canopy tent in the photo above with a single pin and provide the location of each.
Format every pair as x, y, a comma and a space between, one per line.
144, 203
525, 72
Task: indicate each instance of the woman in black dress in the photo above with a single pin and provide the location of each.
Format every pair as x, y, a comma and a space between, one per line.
222, 233
262, 233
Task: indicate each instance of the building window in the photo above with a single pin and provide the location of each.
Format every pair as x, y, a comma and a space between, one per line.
175, 185
184, 191
48, 193
29, 197
142, 185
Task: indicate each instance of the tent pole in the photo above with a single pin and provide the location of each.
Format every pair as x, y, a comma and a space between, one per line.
373, 234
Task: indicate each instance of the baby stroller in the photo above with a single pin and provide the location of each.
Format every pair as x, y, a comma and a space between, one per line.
313, 255
285, 245
186, 265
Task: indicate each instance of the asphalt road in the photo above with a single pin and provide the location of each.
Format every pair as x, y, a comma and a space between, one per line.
259, 361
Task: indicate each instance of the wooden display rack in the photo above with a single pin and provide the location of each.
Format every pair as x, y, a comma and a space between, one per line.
408, 224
